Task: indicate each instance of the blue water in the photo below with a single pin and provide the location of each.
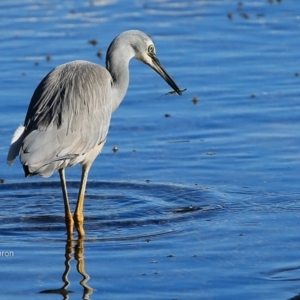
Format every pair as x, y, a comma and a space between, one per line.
202, 204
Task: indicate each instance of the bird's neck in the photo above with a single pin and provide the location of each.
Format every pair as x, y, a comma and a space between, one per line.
117, 63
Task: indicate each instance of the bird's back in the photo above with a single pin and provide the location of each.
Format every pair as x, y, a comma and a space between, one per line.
68, 116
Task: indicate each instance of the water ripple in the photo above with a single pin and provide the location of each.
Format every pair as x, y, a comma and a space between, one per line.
113, 210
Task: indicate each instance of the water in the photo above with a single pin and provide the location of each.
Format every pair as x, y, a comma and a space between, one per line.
201, 200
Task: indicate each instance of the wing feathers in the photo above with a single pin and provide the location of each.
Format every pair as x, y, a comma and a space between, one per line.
69, 115
15, 145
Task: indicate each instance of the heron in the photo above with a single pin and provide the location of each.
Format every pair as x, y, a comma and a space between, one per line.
69, 114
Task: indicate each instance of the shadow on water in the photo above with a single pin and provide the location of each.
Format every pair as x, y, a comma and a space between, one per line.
78, 251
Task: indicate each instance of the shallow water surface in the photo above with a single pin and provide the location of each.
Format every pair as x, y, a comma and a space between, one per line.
201, 200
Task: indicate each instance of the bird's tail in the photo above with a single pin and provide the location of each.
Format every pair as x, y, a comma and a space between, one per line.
15, 145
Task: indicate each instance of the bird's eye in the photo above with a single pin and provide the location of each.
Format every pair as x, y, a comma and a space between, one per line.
151, 49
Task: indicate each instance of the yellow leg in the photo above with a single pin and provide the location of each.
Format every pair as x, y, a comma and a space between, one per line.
78, 215
68, 215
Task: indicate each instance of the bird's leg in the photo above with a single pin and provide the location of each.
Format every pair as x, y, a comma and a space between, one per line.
68, 215
78, 215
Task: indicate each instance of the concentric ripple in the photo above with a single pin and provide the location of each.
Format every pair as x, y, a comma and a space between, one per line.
113, 210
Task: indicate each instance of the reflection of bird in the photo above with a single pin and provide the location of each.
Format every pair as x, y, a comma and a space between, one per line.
69, 114
78, 251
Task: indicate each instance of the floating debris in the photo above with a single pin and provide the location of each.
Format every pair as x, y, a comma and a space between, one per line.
272, 1
244, 15
93, 42
210, 153
99, 54
179, 141
195, 100
167, 115
115, 149
170, 255
186, 209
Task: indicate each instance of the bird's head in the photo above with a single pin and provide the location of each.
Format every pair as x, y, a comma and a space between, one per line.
144, 51
135, 43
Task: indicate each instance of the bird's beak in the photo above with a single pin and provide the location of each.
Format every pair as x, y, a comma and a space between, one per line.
156, 66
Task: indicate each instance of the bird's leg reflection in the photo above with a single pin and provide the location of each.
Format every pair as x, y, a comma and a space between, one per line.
79, 256
78, 251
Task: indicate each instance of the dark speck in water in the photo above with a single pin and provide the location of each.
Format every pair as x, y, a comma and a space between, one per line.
1, 180
195, 100
48, 57
210, 153
115, 149
245, 16
230, 15
93, 42
186, 209
253, 96
99, 53
167, 115
297, 74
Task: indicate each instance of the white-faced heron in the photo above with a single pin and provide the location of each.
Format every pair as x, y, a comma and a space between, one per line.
69, 115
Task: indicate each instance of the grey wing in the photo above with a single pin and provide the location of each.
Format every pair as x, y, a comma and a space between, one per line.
68, 116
